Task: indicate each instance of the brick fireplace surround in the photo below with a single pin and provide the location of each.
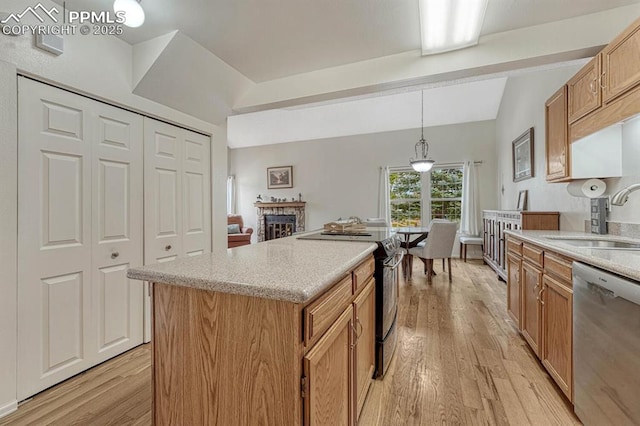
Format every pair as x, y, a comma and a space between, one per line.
293, 208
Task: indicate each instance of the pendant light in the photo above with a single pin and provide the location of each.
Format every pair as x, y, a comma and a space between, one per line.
421, 163
133, 12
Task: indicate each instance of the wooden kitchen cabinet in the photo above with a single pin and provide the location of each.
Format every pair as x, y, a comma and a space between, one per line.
584, 90
621, 63
557, 332
514, 265
365, 351
557, 137
531, 309
328, 368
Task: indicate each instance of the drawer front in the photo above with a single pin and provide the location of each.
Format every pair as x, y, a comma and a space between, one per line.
362, 273
514, 246
319, 316
558, 266
533, 254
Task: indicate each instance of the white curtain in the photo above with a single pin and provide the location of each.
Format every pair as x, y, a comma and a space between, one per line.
470, 209
384, 196
231, 195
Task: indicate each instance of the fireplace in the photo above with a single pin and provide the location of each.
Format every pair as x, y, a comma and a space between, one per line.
279, 226
295, 211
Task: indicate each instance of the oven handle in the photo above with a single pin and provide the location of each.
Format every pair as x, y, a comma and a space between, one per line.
397, 263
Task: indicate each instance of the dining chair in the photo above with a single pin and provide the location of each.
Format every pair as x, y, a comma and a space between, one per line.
438, 245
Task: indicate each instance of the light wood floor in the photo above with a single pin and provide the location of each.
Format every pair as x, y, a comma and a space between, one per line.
460, 360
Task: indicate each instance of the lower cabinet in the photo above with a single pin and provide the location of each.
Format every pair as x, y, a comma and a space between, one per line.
328, 371
557, 320
539, 285
365, 356
531, 286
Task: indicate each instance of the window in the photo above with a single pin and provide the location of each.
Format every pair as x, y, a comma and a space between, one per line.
442, 200
405, 195
446, 194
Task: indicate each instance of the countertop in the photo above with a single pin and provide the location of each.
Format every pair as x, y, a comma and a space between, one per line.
620, 261
285, 269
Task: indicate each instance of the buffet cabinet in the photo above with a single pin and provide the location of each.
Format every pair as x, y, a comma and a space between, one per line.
227, 359
496, 222
540, 302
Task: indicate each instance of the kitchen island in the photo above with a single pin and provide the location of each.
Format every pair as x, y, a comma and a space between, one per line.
280, 333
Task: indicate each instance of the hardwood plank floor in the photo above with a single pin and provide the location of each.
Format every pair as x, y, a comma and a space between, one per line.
460, 360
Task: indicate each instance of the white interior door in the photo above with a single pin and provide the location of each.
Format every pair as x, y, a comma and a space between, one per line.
177, 214
117, 176
69, 182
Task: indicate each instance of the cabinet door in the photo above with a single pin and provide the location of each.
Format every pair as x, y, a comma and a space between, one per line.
513, 288
328, 368
584, 90
365, 356
557, 140
530, 320
621, 63
557, 335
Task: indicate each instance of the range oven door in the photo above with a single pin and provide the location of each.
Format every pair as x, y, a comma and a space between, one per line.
390, 276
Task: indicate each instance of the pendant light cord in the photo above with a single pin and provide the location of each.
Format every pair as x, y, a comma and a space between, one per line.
422, 115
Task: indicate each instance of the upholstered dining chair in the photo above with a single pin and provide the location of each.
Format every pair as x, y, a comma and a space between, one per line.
438, 245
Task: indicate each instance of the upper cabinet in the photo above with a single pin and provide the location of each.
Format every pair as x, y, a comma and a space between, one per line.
621, 63
605, 92
557, 138
585, 94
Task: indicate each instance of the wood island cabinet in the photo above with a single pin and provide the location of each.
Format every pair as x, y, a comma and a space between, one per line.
220, 358
543, 288
557, 137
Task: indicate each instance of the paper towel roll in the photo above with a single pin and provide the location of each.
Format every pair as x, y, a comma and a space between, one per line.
590, 188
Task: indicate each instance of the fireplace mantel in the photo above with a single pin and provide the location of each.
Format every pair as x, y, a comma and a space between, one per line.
296, 208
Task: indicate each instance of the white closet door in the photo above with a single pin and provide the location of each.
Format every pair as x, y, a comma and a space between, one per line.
54, 236
162, 191
196, 200
79, 191
117, 230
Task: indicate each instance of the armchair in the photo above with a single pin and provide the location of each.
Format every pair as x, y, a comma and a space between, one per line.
241, 239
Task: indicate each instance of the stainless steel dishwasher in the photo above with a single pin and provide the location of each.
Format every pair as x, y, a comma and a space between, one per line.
606, 347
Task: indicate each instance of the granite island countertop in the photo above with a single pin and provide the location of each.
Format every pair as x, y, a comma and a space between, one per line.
623, 262
285, 269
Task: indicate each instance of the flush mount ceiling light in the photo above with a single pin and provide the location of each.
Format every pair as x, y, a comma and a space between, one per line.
450, 24
133, 12
421, 163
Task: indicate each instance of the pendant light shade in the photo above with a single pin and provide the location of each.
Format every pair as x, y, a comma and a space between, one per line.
133, 12
422, 163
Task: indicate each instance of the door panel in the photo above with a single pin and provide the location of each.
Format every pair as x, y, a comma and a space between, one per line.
365, 345
196, 199
531, 309
117, 302
54, 236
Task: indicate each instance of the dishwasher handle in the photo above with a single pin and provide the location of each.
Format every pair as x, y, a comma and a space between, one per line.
605, 283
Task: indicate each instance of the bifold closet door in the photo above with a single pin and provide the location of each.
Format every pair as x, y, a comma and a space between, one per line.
79, 228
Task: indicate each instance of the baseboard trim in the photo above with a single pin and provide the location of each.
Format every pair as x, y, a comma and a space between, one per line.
8, 408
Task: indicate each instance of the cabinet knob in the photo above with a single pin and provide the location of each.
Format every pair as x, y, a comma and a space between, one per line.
115, 254
167, 247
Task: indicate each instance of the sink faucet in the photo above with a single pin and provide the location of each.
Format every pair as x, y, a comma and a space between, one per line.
622, 196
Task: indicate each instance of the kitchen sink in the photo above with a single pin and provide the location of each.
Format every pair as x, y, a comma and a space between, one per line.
598, 244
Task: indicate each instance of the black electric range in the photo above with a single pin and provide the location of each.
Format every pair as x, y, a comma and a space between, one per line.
388, 257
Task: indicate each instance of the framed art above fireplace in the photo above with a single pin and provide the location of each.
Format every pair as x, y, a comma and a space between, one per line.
280, 177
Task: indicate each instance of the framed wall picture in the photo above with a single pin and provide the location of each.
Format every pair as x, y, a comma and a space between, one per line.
522, 200
522, 149
280, 177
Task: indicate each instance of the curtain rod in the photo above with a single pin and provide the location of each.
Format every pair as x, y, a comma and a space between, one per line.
408, 166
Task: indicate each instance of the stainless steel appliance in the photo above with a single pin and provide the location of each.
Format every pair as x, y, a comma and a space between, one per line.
606, 347
388, 258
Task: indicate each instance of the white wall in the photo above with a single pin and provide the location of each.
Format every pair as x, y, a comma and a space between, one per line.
523, 107
338, 177
100, 66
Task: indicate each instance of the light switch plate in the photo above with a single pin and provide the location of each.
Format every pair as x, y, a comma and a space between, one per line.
51, 43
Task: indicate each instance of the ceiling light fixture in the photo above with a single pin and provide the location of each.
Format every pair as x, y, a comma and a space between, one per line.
133, 12
450, 24
421, 163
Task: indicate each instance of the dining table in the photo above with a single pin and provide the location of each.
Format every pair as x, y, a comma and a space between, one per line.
413, 235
